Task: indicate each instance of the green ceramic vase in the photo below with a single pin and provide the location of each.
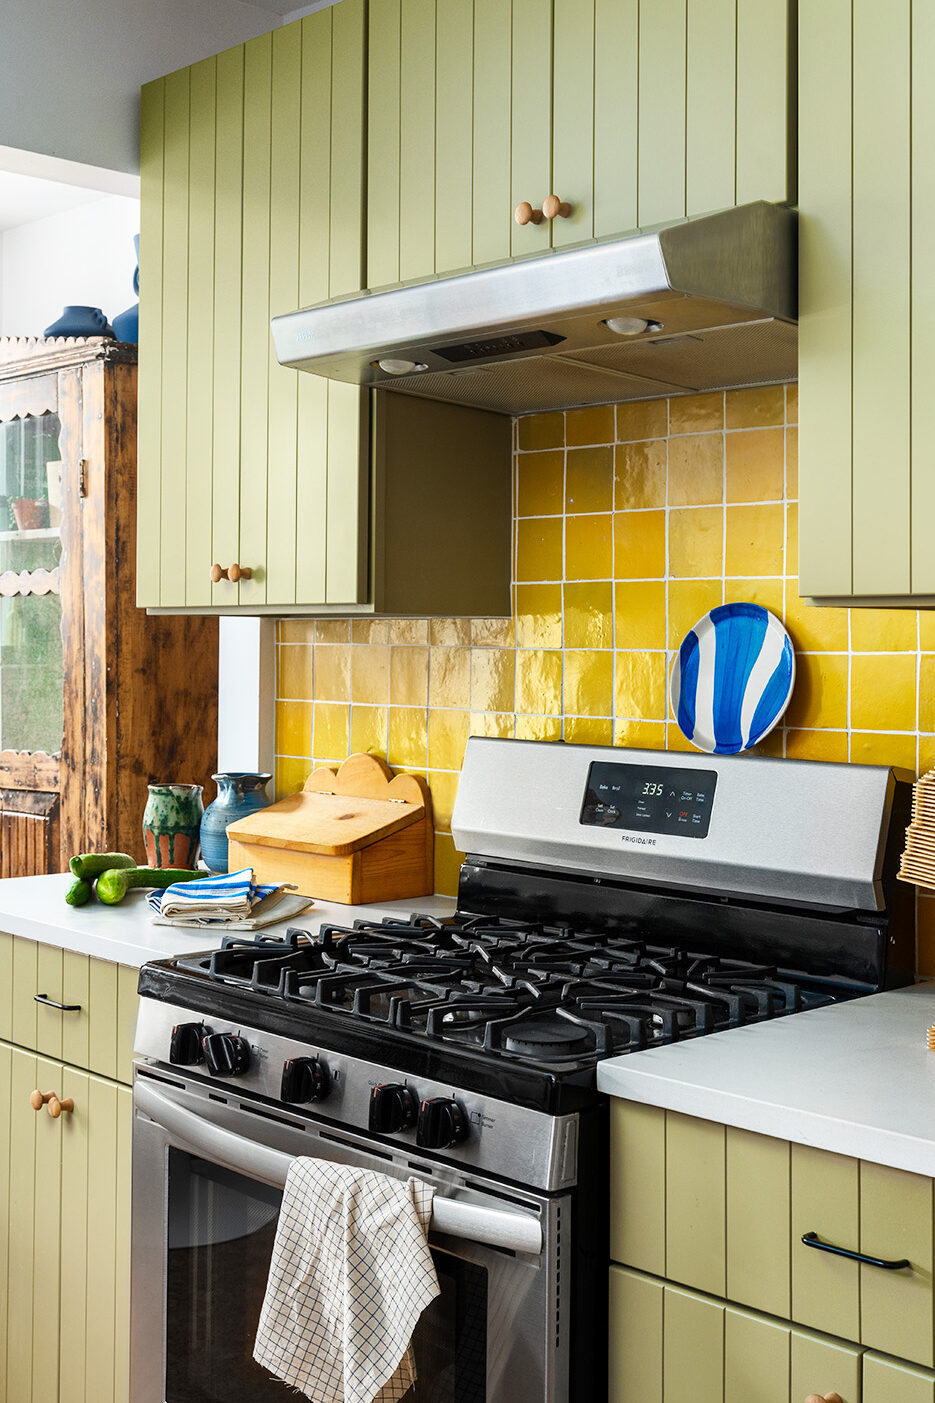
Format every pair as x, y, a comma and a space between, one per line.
171, 824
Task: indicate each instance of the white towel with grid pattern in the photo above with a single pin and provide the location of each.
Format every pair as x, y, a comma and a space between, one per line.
350, 1274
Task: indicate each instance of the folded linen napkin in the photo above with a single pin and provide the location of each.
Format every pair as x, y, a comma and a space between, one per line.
230, 896
350, 1274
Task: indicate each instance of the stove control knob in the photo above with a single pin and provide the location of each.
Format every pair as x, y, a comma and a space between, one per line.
225, 1054
304, 1079
441, 1123
393, 1107
185, 1048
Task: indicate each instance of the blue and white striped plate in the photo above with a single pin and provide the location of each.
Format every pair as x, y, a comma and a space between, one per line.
732, 678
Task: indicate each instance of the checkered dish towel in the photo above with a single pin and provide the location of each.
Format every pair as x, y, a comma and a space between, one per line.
351, 1272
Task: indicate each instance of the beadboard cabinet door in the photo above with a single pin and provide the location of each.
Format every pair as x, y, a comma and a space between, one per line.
252, 189
867, 299
634, 112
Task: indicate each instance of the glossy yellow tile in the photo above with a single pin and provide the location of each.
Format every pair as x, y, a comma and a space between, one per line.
369, 730
538, 728
332, 672
296, 631
884, 630
447, 865
408, 736
695, 414
640, 686
290, 775
648, 418
449, 633
792, 463
370, 631
295, 671
539, 616
539, 548
493, 633
690, 600
792, 404
370, 673
756, 465
816, 745
792, 539
877, 748
768, 593
819, 700
756, 407
926, 754
330, 731
589, 480
492, 679
588, 547
332, 631
538, 431
450, 677
444, 787
640, 735
538, 682
813, 628
589, 730
447, 736
883, 692
409, 676
640, 613
409, 630
696, 470
540, 484
293, 728
492, 723
754, 540
640, 475
588, 683
696, 542
595, 424
589, 615
927, 692
639, 545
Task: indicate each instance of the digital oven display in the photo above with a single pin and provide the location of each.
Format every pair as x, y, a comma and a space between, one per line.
643, 799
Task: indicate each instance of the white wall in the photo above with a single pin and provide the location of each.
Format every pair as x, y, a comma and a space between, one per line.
83, 255
72, 72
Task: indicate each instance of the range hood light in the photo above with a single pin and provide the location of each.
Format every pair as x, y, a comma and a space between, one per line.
393, 366
631, 326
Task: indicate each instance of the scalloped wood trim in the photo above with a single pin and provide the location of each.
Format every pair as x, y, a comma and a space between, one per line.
40, 581
368, 777
29, 769
19, 354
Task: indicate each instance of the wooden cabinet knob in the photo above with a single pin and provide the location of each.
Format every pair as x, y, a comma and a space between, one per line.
38, 1099
525, 214
233, 573
552, 206
823, 1398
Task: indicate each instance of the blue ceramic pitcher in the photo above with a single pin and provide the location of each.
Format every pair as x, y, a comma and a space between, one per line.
239, 794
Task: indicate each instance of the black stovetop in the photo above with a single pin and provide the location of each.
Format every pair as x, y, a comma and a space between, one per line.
528, 1001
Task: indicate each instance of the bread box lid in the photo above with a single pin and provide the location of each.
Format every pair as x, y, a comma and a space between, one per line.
339, 811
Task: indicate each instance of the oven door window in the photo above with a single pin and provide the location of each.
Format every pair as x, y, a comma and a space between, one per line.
221, 1228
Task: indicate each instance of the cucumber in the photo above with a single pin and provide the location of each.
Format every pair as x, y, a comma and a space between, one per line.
113, 885
87, 866
79, 893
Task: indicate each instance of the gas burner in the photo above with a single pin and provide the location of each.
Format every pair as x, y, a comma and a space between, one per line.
546, 1039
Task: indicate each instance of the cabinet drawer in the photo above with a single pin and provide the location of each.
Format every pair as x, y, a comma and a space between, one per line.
668, 1345
892, 1381
95, 1028
725, 1211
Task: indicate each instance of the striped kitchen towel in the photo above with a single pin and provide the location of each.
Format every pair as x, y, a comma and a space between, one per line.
227, 897
350, 1274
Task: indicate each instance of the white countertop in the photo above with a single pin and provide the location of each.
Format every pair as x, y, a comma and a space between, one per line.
856, 1078
36, 908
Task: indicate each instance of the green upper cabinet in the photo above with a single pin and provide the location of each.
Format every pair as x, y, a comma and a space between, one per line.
631, 112
867, 298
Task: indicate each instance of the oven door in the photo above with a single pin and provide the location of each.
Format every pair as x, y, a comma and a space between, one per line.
208, 1170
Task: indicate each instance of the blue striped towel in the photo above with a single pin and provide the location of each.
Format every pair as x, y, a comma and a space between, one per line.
228, 897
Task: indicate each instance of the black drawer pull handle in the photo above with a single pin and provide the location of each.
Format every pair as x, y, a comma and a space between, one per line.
50, 1003
811, 1239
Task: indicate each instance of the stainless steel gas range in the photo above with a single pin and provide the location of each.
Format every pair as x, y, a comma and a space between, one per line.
611, 900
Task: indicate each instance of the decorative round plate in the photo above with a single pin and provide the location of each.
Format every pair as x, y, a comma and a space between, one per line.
732, 678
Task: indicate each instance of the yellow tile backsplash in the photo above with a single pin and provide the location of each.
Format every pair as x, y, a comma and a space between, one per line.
631, 522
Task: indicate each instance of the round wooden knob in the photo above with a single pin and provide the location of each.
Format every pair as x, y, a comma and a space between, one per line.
552, 206
233, 573
56, 1107
823, 1398
525, 214
37, 1100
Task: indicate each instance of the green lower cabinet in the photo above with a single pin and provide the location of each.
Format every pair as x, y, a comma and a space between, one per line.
892, 1381
668, 1345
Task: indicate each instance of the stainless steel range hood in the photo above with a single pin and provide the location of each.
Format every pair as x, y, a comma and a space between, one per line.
717, 295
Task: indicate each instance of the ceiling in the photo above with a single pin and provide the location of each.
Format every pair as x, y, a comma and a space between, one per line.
24, 198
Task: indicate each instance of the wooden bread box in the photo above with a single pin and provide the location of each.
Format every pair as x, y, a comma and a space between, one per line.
355, 835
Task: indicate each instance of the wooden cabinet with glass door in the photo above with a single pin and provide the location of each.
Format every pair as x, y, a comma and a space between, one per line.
96, 699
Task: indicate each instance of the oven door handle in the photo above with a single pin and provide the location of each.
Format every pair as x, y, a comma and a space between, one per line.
497, 1227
